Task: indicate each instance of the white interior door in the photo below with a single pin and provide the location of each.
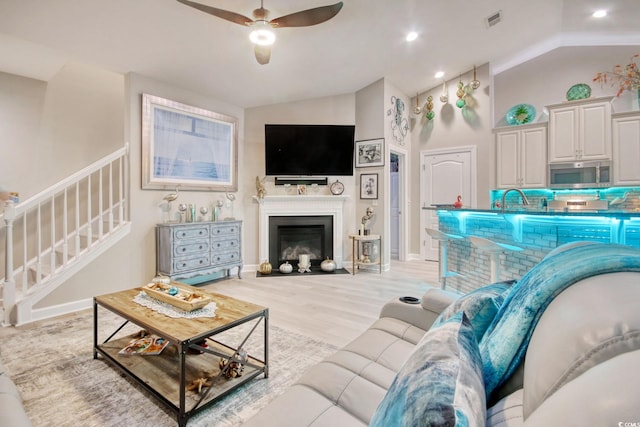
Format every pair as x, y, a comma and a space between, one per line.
395, 214
445, 174
396, 227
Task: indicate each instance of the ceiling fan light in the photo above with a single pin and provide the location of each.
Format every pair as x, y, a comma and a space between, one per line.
262, 34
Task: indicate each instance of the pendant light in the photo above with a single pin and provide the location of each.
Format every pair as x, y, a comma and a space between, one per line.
429, 114
475, 84
417, 110
444, 98
460, 93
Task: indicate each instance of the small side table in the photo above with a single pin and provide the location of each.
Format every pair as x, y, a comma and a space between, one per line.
356, 239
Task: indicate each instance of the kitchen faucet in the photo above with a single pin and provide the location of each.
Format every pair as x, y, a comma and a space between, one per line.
525, 201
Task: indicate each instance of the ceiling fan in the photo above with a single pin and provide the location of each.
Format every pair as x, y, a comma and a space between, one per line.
262, 34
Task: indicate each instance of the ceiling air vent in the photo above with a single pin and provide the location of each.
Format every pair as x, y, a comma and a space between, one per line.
494, 19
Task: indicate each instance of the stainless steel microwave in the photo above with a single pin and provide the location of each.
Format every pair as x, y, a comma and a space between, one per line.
591, 174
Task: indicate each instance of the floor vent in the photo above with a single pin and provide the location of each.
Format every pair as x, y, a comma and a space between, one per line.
494, 19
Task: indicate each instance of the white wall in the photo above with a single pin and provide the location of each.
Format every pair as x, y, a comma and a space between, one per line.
337, 110
454, 127
545, 80
52, 129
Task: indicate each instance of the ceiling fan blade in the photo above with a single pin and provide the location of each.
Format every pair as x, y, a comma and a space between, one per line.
263, 54
220, 13
307, 17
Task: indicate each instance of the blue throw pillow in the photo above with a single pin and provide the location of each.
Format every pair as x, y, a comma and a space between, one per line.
440, 384
480, 305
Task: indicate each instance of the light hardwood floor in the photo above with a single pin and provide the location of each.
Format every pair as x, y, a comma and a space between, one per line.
332, 308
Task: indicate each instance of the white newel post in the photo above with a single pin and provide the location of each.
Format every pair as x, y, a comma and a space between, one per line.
9, 286
307, 205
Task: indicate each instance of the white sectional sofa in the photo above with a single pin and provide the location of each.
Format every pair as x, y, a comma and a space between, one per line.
11, 410
577, 365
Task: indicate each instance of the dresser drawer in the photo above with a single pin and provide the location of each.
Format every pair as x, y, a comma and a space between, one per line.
225, 230
224, 245
190, 247
188, 264
224, 258
190, 232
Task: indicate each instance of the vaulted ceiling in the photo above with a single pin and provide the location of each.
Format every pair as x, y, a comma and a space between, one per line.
170, 42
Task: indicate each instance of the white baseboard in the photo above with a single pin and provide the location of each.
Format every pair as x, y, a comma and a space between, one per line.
59, 310
414, 257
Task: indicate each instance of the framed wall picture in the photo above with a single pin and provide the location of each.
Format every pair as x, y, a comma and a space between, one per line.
369, 186
187, 146
370, 153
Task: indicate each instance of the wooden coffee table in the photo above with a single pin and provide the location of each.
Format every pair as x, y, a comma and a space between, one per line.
167, 375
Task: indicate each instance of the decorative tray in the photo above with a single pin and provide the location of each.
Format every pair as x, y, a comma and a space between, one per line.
177, 295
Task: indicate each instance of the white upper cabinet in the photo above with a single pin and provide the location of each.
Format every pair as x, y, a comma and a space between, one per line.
580, 130
626, 149
521, 156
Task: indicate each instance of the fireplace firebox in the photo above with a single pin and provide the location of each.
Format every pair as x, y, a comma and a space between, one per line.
291, 236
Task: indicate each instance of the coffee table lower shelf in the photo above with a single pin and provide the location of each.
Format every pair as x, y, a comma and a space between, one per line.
160, 375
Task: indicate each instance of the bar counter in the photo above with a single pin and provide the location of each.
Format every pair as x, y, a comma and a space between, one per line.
536, 232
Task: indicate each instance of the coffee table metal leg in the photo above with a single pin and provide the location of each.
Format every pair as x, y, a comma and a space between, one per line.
182, 418
95, 329
266, 343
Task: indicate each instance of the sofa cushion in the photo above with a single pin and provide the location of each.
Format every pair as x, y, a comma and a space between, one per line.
303, 406
594, 330
507, 412
480, 306
605, 395
441, 382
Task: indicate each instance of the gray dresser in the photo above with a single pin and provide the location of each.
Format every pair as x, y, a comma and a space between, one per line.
196, 252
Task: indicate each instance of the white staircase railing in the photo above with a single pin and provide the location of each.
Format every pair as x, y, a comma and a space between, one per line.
57, 232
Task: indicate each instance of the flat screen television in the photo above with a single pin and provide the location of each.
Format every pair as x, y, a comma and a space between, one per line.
309, 150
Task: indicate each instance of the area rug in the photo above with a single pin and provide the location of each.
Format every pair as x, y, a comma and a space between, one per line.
61, 384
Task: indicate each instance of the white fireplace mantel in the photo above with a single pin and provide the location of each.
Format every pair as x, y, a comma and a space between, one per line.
302, 205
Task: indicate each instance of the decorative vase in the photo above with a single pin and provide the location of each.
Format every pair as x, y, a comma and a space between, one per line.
578, 91
521, 114
265, 267
285, 268
639, 97
328, 265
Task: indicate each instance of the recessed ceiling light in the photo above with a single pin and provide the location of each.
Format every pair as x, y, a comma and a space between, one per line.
439, 74
600, 13
412, 36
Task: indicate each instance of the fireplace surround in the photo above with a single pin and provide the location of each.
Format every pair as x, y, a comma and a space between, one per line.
302, 206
